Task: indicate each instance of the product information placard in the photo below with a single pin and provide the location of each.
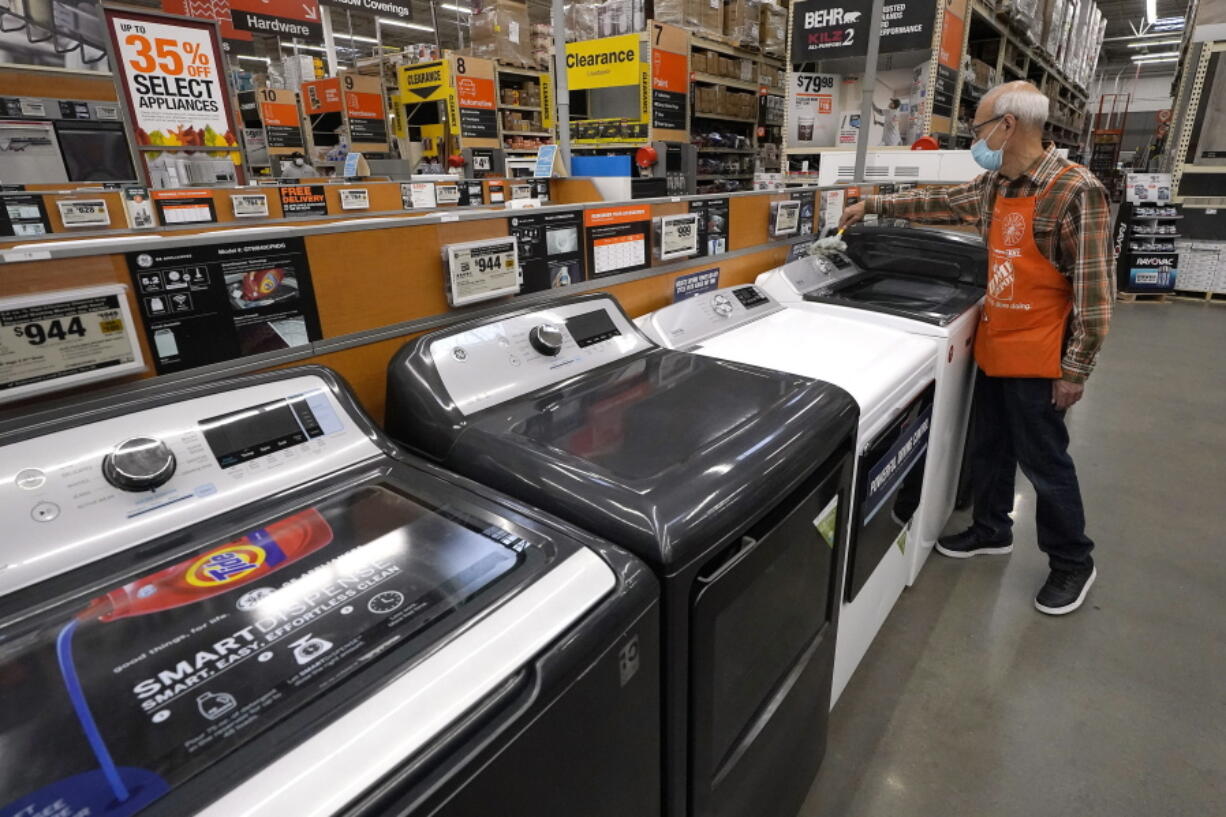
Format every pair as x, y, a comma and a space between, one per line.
421, 194
84, 213
23, 216
355, 198
212, 303
808, 210
481, 270
618, 239
785, 218
250, 205
1147, 188
139, 208
712, 225
185, 206
549, 250
58, 339
677, 236
823, 31
172, 75
813, 114
308, 200
695, 283
447, 193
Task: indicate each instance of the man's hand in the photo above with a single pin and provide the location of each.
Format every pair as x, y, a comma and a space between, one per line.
851, 215
1065, 394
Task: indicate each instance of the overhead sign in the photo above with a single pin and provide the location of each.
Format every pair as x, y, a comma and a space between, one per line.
286, 18
172, 75
321, 96
609, 62
380, 8
54, 340
218, 10
823, 31
424, 82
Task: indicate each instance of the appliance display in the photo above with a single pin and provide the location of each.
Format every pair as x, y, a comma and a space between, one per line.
63, 140
923, 281
891, 375
240, 599
731, 481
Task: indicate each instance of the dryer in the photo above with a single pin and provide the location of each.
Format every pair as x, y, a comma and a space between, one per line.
240, 600
890, 373
732, 481
922, 281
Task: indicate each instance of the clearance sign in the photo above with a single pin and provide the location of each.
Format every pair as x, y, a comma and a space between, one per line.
424, 82
605, 63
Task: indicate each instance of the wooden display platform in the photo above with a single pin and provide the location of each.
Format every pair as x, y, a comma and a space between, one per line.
1143, 297
1205, 297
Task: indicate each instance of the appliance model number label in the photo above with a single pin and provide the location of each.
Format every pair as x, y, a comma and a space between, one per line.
82, 334
84, 213
481, 270
678, 235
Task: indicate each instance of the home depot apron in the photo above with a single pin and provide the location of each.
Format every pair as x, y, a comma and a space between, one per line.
1021, 330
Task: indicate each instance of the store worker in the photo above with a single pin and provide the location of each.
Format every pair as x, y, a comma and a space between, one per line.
1048, 306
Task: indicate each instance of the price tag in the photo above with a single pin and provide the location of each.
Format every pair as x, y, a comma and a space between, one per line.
678, 236
481, 161
481, 270
250, 205
422, 194
447, 193
785, 216
355, 198
59, 339
84, 213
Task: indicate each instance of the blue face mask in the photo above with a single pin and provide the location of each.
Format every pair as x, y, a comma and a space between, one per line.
984, 156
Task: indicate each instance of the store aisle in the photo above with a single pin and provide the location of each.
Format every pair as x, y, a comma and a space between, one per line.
973, 704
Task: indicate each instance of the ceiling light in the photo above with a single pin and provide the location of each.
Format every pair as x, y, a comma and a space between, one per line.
450, 7
254, 59
357, 38
1151, 10
402, 24
1161, 55
1147, 60
1148, 43
291, 47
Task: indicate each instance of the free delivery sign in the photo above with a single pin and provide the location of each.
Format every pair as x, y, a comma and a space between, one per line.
173, 78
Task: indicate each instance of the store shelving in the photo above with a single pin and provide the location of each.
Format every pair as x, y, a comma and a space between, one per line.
724, 117
523, 92
701, 76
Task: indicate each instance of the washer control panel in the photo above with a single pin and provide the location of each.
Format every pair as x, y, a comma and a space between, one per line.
83, 493
810, 274
510, 357
695, 319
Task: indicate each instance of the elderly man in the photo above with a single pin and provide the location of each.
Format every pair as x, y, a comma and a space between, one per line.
1050, 288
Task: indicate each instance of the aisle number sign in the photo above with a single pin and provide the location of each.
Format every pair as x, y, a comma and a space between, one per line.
610, 62
424, 82
173, 79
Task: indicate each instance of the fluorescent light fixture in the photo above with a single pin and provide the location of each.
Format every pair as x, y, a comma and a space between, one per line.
290, 47
1148, 43
253, 59
357, 38
450, 7
402, 24
1151, 10
1161, 55
1147, 60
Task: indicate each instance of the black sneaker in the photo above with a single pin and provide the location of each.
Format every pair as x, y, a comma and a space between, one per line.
1065, 591
970, 543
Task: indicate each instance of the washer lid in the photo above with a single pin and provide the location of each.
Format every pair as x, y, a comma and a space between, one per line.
925, 299
128, 691
666, 453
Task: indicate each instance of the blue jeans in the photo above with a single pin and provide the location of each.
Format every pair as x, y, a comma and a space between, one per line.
1016, 424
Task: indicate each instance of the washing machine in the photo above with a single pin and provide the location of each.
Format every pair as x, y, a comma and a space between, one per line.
731, 481
890, 373
239, 600
922, 281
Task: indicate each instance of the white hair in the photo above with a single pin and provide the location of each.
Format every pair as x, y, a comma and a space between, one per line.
1027, 104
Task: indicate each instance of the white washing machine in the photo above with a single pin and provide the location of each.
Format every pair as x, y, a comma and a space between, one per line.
925, 282
890, 373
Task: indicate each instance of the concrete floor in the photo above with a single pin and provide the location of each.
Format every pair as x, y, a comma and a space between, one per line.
972, 704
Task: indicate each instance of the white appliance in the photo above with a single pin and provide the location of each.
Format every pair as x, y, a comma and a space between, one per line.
838, 165
927, 283
891, 375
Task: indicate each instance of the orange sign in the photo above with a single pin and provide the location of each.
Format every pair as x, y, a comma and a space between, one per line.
475, 92
363, 106
616, 215
322, 96
280, 114
951, 40
668, 71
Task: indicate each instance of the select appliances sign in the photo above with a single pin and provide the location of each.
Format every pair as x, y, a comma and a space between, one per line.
822, 30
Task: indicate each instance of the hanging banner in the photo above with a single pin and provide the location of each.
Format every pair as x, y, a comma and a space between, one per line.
283, 18
321, 96
400, 9
172, 76
609, 62
813, 115
218, 10
822, 31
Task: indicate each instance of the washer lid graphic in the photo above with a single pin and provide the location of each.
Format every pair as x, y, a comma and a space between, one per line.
118, 699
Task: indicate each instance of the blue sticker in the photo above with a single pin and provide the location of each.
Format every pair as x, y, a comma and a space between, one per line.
695, 283
91, 793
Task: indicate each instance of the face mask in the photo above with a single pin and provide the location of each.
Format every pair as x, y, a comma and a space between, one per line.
984, 156
299, 162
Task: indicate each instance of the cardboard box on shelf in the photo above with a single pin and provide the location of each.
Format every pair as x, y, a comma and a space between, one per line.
742, 21
710, 17
698, 62
774, 29
982, 74
500, 31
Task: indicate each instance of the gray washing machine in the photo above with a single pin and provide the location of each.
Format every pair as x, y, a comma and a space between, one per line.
731, 481
240, 600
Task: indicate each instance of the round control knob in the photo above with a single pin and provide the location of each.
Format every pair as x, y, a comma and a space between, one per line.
546, 339
721, 305
139, 464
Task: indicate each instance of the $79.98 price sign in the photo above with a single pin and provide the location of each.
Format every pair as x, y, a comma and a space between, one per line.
64, 338
173, 80
481, 270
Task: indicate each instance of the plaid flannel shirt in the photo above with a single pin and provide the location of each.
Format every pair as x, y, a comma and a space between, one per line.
1072, 229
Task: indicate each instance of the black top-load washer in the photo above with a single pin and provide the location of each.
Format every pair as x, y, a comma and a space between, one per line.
731, 481
922, 274
241, 600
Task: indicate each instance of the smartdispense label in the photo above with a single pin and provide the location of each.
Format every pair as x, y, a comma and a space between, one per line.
181, 666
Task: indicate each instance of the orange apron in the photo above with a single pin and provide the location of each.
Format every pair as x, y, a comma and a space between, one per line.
1021, 330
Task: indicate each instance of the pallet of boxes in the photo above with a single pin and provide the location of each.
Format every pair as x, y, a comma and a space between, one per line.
501, 32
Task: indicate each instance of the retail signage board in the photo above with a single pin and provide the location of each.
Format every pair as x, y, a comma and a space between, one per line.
218, 10
365, 115
24, 216
1147, 188
217, 302
677, 236
808, 210
282, 18
823, 31
712, 225
249, 205
171, 73
695, 283
281, 120
54, 340
185, 206
424, 82
813, 110
546, 158
472, 101
617, 239
550, 250
784, 218
482, 270
609, 62
670, 81
321, 96
303, 200
380, 8
83, 213
355, 198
